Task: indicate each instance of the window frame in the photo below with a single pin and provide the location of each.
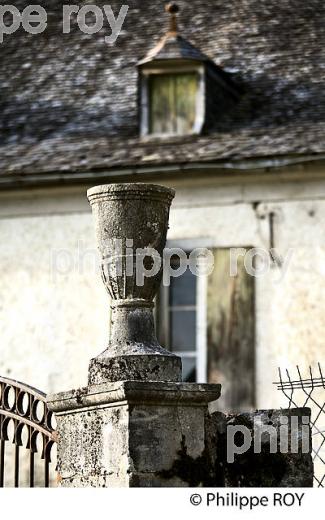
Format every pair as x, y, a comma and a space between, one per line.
163, 310
176, 68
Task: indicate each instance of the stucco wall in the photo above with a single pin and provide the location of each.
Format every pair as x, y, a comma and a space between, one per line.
54, 320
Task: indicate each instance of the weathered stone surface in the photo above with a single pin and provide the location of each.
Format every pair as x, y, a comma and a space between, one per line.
133, 434
262, 469
131, 222
133, 212
148, 367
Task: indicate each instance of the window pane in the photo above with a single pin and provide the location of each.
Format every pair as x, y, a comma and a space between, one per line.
183, 289
172, 103
189, 369
182, 330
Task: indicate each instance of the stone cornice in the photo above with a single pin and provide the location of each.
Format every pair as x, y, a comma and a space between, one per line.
133, 392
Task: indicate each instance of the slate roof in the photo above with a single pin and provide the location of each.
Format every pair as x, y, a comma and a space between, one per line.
69, 102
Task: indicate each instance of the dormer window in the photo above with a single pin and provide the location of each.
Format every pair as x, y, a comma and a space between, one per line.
182, 90
172, 100
172, 86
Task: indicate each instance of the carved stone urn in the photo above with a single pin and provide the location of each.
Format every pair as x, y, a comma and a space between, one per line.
131, 222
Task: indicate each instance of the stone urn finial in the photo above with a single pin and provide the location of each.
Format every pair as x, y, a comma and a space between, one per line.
131, 222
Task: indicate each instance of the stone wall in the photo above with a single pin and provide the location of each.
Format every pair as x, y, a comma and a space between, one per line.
270, 465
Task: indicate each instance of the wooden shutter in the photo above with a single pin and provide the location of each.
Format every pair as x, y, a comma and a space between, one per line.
173, 103
231, 333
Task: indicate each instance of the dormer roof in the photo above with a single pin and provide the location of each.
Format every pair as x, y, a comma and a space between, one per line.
174, 47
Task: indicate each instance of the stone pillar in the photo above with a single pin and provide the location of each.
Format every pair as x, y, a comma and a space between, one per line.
133, 434
135, 424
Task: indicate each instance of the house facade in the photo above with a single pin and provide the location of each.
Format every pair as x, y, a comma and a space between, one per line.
223, 102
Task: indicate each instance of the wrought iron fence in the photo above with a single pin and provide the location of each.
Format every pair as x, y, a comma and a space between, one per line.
309, 392
27, 424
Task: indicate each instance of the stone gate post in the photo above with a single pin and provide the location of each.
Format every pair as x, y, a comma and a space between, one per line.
136, 423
